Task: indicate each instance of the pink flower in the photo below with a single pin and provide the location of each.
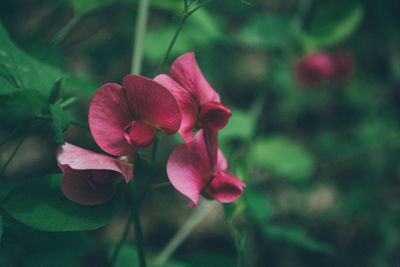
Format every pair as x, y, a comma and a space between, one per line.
121, 118
344, 62
200, 104
315, 68
323, 67
89, 178
192, 171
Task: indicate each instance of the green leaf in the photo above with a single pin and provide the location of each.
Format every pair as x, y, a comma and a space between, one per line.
266, 31
40, 204
29, 73
283, 157
5, 189
86, 6
6, 87
23, 103
240, 126
333, 22
127, 256
55, 90
258, 206
295, 236
60, 123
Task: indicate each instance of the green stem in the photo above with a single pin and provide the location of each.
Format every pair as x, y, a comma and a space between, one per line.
11, 134
197, 217
238, 244
3, 169
65, 30
160, 185
66, 103
137, 225
185, 16
150, 174
122, 240
140, 30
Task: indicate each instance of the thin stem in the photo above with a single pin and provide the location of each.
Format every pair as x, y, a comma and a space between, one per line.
197, 217
150, 173
66, 103
137, 225
183, 19
11, 134
140, 30
160, 185
238, 244
122, 240
3, 169
65, 30
185, 16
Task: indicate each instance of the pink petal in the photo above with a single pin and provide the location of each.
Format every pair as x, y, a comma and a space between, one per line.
344, 65
78, 186
186, 72
152, 103
187, 104
189, 168
76, 158
140, 134
315, 68
108, 116
214, 115
225, 187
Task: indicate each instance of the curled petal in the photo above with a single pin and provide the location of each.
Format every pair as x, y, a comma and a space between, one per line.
214, 116
189, 168
186, 71
81, 187
76, 158
140, 133
152, 103
187, 104
225, 187
108, 116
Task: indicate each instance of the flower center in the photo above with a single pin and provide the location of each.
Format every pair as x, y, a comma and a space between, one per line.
140, 134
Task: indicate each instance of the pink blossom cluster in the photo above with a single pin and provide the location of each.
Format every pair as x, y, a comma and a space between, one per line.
122, 118
322, 67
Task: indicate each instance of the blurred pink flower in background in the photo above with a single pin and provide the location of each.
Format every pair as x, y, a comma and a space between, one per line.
322, 67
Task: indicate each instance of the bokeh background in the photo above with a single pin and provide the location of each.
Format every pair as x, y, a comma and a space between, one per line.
320, 160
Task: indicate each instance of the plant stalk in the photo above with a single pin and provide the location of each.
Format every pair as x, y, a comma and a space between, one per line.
122, 240
137, 225
202, 210
185, 16
140, 30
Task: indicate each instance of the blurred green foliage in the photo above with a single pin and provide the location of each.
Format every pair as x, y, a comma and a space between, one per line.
320, 163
